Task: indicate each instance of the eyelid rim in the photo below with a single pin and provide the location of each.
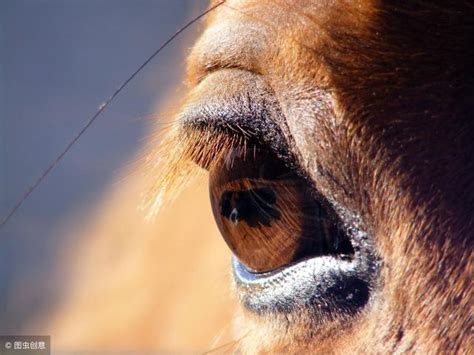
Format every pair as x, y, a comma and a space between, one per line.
251, 113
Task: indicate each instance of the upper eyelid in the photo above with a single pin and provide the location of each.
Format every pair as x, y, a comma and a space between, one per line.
213, 51
212, 67
245, 106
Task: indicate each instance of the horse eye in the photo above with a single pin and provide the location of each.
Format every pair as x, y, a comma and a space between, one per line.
269, 215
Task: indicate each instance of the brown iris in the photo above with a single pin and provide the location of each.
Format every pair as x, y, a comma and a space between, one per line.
268, 215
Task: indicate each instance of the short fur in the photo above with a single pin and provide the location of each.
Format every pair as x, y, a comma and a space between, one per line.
377, 98
376, 101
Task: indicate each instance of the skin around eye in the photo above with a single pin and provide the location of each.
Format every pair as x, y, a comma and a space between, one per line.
268, 215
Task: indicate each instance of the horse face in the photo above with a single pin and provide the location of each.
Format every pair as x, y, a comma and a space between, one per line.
346, 199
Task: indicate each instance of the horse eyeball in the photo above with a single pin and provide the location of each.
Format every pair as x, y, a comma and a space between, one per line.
268, 214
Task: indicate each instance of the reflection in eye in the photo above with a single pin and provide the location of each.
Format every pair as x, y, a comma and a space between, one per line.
254, 206
269, 215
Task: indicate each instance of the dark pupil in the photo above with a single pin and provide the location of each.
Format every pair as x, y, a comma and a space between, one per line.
254, 206
268, 215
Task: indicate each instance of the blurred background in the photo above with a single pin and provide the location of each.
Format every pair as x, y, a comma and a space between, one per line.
77, 261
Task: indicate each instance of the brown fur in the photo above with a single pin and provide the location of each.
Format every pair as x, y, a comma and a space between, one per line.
377, 99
